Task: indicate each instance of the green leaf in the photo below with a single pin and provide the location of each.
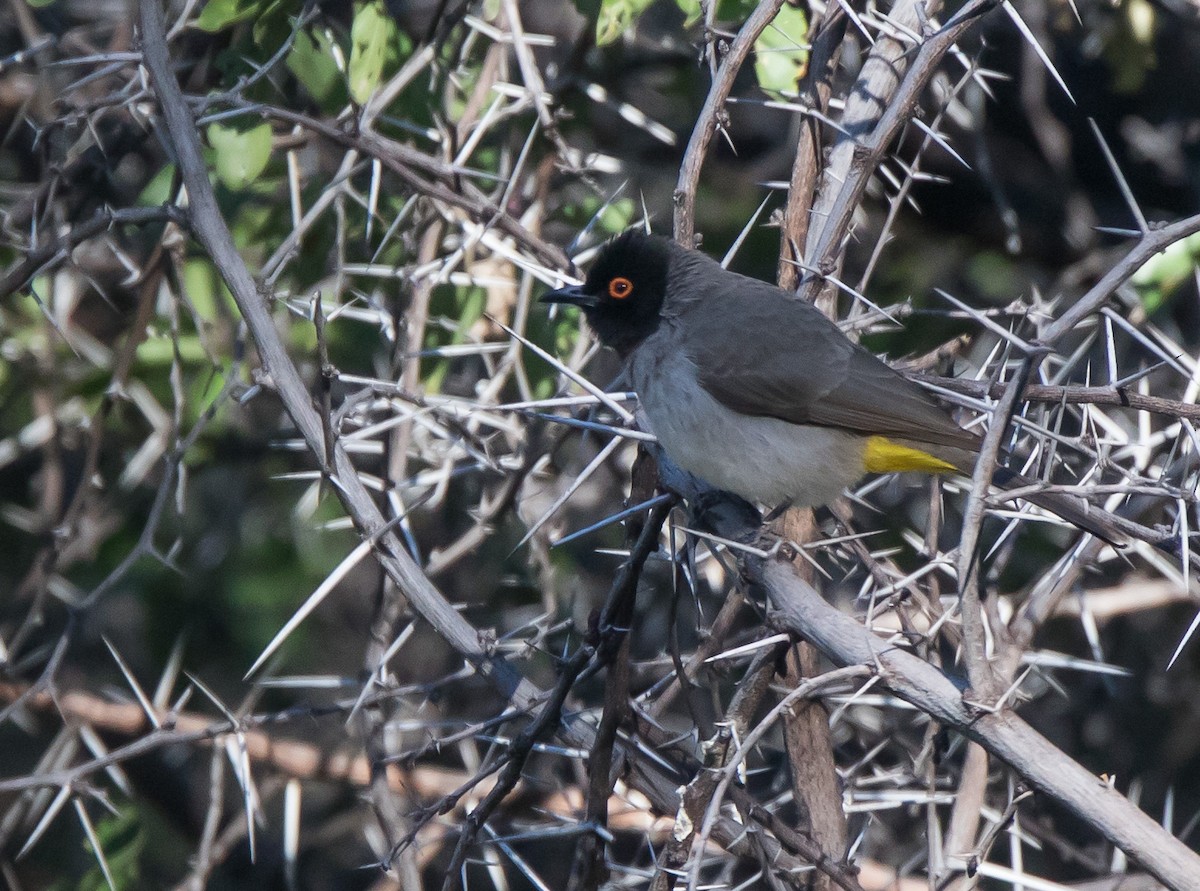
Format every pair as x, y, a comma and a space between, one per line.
311, 61
1163, 273
735, 10
158, 189
371, 35
1130, 47
159, 350
606, 218
271, 27
123, 840
780, 54
691, 11
616, 17
39, 4
617, 216
205, 289
220, 14
241, 155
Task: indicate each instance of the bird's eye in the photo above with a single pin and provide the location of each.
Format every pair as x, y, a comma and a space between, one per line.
620, 288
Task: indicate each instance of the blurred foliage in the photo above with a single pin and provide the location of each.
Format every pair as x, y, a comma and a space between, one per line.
781, 53
617, 17
250, 530
375, 45
241, 155
123, 842
1158, 280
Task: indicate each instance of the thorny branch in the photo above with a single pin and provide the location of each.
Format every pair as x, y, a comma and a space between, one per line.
435, 445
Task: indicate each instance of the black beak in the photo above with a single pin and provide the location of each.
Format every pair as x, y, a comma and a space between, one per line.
572, 294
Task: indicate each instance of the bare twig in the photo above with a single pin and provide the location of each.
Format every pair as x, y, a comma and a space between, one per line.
711, 116
885, 101
1002, 733
1123, 397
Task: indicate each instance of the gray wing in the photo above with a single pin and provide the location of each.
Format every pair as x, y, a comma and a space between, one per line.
761, 352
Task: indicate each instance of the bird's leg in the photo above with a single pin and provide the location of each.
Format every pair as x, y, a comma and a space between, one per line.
720, 512
779, 511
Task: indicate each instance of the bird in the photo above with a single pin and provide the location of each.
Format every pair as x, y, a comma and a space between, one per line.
758, 393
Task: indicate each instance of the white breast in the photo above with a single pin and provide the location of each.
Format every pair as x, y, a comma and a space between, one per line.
762, 459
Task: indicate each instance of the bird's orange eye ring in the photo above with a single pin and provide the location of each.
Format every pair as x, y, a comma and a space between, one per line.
620, 288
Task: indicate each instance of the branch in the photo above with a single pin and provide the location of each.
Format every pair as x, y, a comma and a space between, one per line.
653, 780
623, 589
212, 232
816, 89
1152, 242
710, 115
855, 158
803, 611
405, 162
19, 274
292, 757
1044, 393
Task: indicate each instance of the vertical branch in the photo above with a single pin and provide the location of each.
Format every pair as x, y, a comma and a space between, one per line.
875, 89
815, 91
986, 681
591, 871
408, 348
213, 234
963, 827
879, 106
806, 731
711, 116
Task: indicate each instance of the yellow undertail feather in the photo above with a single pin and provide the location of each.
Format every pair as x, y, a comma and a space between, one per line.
884, 456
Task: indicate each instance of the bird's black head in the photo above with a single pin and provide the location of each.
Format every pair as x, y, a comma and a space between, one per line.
625, 289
